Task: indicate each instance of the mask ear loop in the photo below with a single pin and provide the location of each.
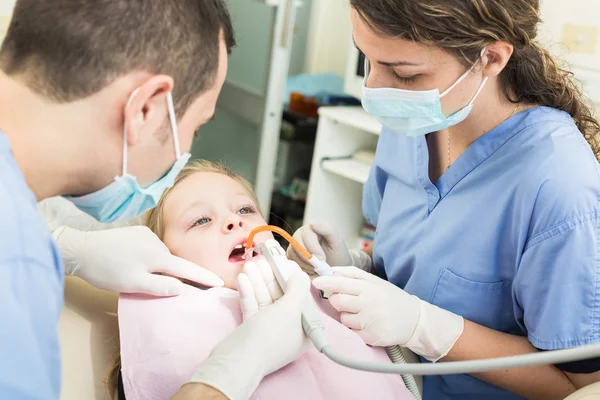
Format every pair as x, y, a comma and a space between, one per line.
482, 83
173, 121
129, 101
463, 76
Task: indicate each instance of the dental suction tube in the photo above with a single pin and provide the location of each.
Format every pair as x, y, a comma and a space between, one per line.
466, 367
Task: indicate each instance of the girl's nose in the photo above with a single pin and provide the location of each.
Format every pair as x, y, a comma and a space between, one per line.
235, 222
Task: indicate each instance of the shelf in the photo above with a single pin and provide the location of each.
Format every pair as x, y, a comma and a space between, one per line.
348, 168
354, 116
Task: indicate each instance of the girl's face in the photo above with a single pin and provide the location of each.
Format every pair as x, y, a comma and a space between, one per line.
207, 218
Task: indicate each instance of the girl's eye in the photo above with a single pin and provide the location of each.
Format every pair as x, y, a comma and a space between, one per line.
201, 221
406, 79
247, 210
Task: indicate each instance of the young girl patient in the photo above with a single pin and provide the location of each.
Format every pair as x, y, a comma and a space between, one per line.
206, 218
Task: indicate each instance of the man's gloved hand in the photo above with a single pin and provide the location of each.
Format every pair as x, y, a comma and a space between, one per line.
325, 243
125, 260
270, 337
382, 314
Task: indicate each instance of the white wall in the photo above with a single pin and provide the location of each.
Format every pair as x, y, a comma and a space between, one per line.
6, 7
557, 13
329, 37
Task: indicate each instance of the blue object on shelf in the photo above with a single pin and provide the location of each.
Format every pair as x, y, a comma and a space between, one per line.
315, 85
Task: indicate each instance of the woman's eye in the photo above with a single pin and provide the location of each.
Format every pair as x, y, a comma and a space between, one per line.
405, 79
201, 221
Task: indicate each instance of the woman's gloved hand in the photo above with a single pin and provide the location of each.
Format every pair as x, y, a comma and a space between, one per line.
382, 314
270, 337
326, 244
126, 260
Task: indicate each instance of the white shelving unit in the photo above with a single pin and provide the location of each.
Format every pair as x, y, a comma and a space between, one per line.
351, 169
336, 183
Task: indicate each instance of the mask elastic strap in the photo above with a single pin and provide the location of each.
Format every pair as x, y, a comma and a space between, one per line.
125, 131
463, 76
478, 91
173, 121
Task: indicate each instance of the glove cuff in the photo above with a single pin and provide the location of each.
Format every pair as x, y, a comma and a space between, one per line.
221, 373
436, 333
68, 241
57, 232
361, 260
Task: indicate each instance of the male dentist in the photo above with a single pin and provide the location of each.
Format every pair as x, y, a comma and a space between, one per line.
99, 100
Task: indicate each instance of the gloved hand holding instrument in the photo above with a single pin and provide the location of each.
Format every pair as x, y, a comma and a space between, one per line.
326, 244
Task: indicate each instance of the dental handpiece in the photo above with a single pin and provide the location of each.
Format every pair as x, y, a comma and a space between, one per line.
275, 256
311, 320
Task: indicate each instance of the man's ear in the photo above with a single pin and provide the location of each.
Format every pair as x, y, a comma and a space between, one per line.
147, 107
496, 57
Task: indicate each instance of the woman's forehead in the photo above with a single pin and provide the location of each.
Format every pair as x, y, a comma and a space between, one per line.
391, 50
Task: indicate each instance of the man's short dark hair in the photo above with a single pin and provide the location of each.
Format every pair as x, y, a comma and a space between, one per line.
66, 50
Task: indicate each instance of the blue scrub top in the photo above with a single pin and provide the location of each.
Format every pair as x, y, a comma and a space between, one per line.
31, 291
508, 237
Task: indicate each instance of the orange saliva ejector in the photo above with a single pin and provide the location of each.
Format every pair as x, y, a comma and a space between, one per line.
321, 267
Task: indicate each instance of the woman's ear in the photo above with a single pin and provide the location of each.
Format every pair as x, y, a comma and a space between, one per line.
495, 58
146, 108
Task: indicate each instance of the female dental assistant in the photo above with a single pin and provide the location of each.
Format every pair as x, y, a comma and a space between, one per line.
484, 192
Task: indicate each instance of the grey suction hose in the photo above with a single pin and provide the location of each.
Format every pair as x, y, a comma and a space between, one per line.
315, 330
397, 357
470, 367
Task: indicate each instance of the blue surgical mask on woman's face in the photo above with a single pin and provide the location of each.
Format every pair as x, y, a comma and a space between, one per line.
125, 198
414, 113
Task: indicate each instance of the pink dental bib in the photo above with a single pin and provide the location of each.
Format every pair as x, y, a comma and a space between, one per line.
163, 340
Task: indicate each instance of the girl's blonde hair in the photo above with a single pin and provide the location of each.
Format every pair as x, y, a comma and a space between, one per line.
155, 217
155, 221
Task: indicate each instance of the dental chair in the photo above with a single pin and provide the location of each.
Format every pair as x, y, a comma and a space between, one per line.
89, 338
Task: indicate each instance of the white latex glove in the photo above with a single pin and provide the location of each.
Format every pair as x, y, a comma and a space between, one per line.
325, 243
382, 314
126, 259
270, 337
258, 287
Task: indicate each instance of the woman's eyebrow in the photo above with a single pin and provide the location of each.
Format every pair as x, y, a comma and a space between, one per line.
397, 63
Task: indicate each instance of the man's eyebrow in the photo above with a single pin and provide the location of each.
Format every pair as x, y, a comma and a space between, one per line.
390, 63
